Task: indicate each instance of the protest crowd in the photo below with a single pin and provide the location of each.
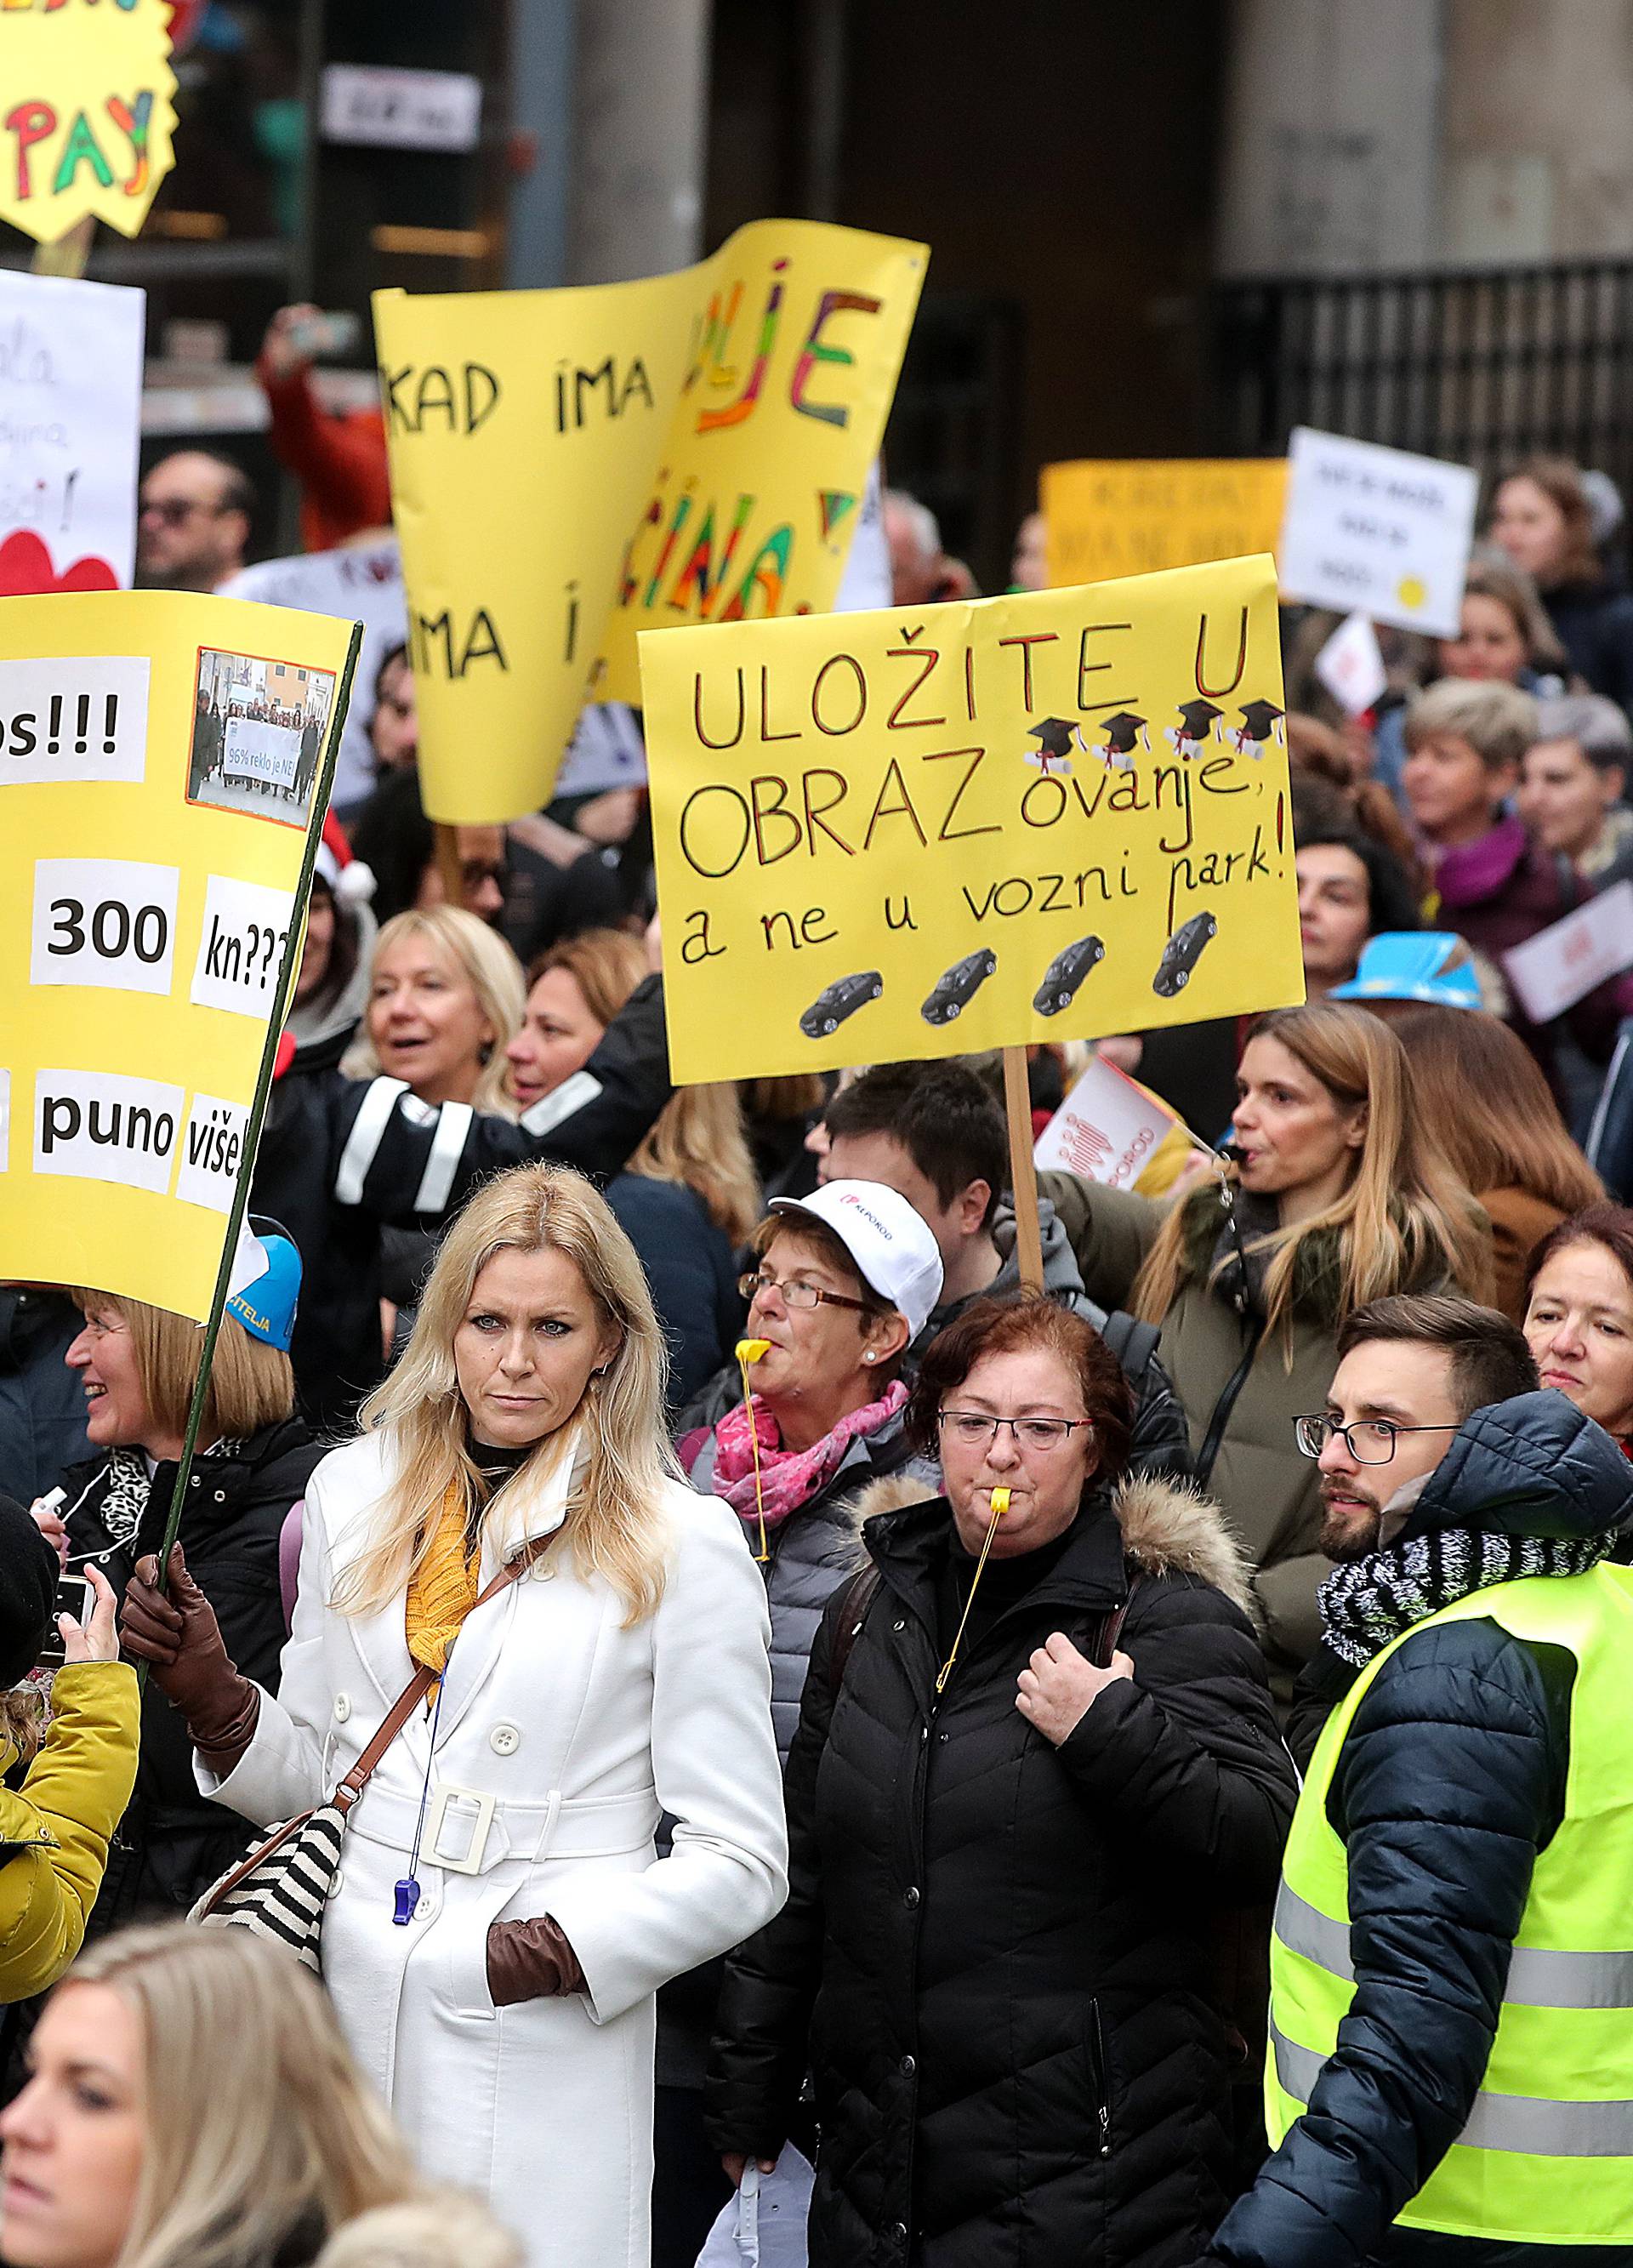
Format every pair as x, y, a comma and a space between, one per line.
954, 1719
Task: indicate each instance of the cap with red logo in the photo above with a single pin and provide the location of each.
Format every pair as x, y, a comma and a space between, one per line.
894, 1251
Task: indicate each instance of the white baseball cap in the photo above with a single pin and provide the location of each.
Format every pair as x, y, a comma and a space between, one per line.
894, 1252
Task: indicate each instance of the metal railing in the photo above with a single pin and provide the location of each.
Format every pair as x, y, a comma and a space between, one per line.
1480, 365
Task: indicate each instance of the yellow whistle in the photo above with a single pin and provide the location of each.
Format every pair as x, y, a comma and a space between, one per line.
750, 1350
1000, 1502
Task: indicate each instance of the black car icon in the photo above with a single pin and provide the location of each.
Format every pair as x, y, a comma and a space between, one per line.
828, 1010
1065, 973
1181, 954
958, 988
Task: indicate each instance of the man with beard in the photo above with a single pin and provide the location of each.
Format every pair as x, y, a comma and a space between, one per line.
1450, 2076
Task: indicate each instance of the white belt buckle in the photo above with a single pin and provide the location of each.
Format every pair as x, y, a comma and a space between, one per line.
447, 1794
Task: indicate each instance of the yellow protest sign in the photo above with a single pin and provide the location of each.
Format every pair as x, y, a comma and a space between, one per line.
569, 466
87, 119
945, 829
165, 763
1113, 516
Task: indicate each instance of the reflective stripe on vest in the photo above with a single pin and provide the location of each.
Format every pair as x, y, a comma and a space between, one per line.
1535, 2168
1527, 2125
1535, 1979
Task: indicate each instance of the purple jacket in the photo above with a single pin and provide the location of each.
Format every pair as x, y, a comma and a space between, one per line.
1502, 888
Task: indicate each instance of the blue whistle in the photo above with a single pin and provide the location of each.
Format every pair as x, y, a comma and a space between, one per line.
407, 1901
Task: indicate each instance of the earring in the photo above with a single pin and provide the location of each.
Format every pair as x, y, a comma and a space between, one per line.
867, 1357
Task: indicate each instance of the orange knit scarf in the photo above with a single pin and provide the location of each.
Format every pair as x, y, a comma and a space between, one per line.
444, 1586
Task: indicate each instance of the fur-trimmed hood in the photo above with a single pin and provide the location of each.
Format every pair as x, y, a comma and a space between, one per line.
1168, 1530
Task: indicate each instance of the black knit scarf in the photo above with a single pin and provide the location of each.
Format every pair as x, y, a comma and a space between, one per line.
1372, 1601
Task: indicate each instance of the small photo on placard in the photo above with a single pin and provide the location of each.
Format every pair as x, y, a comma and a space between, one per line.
258, 733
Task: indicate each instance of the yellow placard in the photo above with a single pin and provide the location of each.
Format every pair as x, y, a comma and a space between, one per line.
86, 120
570, 467
1109, 516
945, 829
165, 763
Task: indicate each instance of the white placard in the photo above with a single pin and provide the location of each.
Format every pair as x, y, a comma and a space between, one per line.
73, 717
1351, 667
1107, 1129
71, 419
866, 582
104, 921
212, 1149
252, 749
103, 1127
1551, 971
362, 583
241, 947
1376, 531
392, 109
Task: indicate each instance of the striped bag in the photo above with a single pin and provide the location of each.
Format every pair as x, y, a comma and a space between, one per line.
281, 1884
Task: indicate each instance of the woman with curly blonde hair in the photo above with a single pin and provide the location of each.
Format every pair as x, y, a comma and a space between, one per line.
501, 1923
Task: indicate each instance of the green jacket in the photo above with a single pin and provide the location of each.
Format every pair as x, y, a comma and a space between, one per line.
55, 1829
1268, 1491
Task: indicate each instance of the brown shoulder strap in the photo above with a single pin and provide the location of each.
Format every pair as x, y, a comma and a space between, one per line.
412, 1694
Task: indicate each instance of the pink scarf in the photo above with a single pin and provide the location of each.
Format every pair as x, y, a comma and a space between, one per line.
788, 1478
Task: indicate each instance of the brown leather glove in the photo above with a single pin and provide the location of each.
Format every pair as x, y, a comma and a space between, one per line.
178, 1636
530, 1961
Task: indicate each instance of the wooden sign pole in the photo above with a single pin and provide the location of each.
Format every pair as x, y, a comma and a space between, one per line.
448, 863
1023, 1172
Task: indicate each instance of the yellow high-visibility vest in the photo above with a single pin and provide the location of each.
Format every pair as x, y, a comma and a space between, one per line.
1546, 2155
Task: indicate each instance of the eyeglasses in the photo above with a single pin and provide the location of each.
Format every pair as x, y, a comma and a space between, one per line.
975, 1429
796, 1292
1370, 1440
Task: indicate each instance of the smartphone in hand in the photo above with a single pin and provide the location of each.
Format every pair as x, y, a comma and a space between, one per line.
76, 1598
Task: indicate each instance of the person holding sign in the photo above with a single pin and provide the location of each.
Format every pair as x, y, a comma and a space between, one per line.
1335, 1195
139, 1366
501, 1924
1052, 1765
341, 1160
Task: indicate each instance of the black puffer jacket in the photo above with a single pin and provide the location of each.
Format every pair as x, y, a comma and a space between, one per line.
173, 1841
1018, 2063
341, 1157
1451, 1778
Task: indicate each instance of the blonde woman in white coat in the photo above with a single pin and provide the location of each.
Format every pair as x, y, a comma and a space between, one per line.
508, 2017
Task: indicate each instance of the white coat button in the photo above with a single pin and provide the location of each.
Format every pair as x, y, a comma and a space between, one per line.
342, 1707
335, 1880
504, 1739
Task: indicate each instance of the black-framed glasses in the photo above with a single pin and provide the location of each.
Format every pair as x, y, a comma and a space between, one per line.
975, 1428
1370, 1440
796, 1292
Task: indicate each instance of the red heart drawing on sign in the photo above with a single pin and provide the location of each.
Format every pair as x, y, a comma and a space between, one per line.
26, 569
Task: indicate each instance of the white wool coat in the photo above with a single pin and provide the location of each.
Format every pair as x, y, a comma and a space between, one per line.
564, 1735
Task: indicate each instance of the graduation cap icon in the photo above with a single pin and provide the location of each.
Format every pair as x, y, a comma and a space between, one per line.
1123, 732
1260, 720
1056, 737
1196, 722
